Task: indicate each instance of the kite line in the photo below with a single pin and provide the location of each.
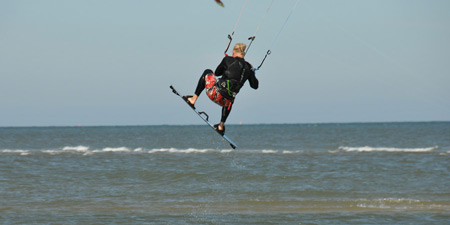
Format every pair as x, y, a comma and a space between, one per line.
230, 36
277, 35
252, 38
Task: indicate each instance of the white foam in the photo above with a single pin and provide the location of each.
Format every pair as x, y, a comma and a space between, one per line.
192, 150
389, 203
86, 151
269, 151
21, 152
120, 149
79, 148
291, 152
52, 152
385, 149
226, 151
174, 150
445, 153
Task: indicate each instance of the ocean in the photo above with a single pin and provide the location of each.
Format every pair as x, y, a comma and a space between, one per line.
355, 173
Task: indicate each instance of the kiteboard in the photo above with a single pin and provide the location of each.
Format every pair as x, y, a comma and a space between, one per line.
205, 118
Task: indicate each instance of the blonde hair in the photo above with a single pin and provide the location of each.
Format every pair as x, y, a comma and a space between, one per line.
240, 48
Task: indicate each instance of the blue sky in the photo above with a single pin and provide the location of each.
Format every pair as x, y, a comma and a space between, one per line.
110, 62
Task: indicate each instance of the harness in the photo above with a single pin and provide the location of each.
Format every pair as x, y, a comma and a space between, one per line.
233, 86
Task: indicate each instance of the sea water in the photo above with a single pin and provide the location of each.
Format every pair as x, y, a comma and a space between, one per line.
360, 173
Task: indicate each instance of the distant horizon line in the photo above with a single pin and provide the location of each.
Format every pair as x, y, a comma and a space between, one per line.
231, 124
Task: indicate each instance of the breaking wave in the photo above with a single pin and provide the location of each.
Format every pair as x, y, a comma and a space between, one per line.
386, 149
85, 150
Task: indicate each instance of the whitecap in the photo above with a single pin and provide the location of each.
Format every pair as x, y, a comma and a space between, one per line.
174, 150
389, 203
269, 151
52, 152
386, 149
158, 150
79, 148
120, 149
21, 152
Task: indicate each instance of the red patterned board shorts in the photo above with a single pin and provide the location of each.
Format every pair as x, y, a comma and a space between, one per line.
213, 93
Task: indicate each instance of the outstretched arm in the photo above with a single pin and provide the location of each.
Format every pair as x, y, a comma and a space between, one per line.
254, 83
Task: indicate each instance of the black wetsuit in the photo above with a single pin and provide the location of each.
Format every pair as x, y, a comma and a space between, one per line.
233, 72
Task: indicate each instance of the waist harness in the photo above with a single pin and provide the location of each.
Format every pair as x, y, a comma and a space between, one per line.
231, 86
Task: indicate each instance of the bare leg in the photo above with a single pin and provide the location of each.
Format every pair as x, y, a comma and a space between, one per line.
221, 126
193, 99
200, 86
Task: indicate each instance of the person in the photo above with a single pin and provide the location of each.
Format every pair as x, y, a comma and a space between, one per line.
224, 84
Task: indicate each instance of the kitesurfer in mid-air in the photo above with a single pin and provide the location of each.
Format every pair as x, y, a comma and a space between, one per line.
223, 85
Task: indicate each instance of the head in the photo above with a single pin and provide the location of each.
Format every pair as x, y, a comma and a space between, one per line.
239, 50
